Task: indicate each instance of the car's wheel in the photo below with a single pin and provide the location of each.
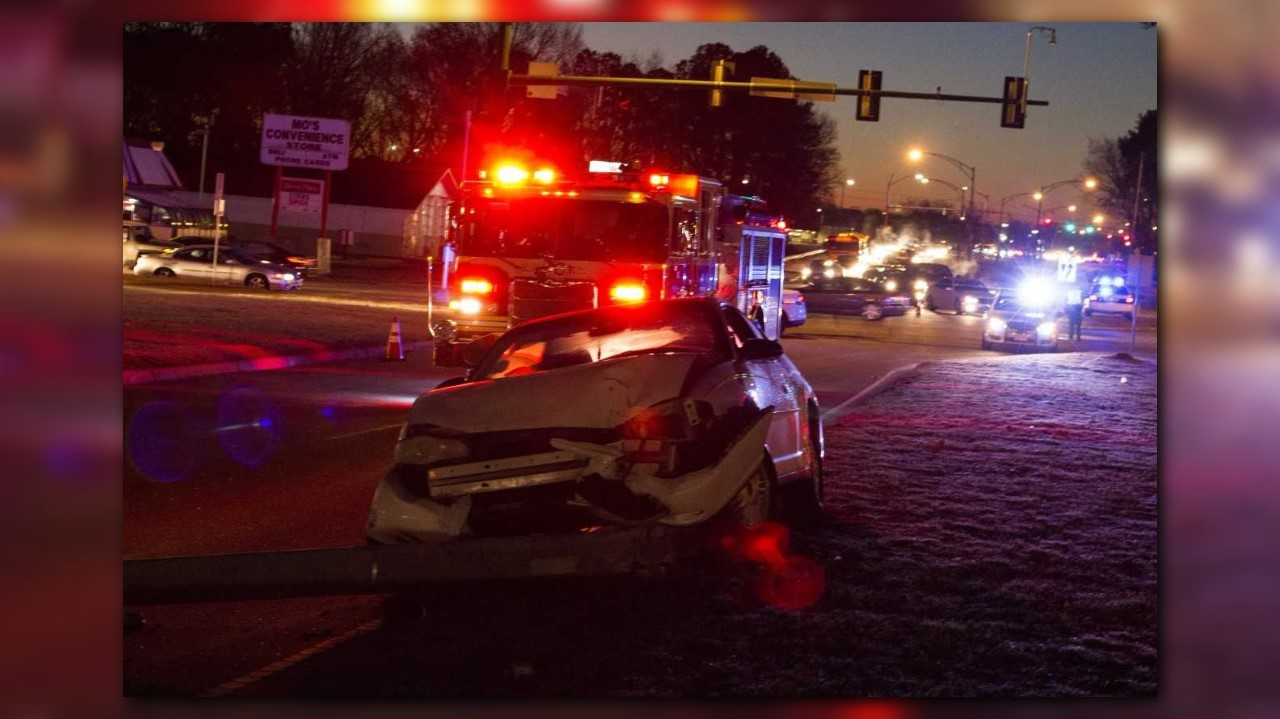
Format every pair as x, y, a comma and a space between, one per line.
782, 323
257, 282
928, 303
755, 502
872, 311
163, 272
959, 308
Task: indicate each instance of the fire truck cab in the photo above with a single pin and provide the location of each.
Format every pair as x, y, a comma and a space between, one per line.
527, 244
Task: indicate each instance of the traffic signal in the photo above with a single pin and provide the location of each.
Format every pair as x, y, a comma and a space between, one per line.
1013, 113
869, 105
720, 71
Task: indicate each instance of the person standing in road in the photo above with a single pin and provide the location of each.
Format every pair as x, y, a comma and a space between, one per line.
1075, 314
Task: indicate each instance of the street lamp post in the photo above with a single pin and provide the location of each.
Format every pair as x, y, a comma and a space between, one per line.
1026, 59
1089, 184
1005, 200
969, 170
849, 182
959, 190
917, 177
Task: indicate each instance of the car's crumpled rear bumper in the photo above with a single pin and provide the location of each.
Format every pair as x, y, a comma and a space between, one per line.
399, 515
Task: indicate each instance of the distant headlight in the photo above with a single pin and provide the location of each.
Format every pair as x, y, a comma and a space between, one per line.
995, 326
922, 285
805, 272
970, 302
828, 272
891, 285
1047, 329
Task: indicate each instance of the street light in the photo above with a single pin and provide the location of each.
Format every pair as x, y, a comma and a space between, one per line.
918, 177
1089, 184
849, 182
915, 154
1026, 59
959, 190
1005, 200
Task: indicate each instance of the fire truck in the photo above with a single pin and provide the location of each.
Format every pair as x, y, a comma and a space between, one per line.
529, 242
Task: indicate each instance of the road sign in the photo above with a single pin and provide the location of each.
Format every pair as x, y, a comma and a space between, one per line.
298, 194
1067, 270
543, 92
315, 143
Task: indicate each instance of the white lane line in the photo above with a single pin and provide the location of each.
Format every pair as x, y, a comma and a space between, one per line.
278, 666
371, 430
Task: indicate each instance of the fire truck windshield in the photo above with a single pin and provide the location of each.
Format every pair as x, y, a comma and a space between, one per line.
596, 230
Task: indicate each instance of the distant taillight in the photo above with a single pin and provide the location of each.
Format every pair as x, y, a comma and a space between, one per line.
628, 291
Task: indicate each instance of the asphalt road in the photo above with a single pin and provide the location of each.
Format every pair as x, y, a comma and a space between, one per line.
288, 459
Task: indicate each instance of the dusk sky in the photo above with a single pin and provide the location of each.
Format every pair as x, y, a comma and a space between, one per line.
1098, 79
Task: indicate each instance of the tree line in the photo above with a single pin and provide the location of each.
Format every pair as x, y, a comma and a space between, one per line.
408, 97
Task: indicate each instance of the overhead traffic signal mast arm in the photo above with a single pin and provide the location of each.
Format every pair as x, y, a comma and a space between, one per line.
756, 85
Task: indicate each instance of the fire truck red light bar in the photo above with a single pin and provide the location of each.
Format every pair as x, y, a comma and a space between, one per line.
476, 287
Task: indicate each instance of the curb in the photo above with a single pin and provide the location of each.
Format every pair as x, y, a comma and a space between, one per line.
164, 374
876, 388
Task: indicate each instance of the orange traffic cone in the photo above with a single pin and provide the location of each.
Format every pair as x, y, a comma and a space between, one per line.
395, 347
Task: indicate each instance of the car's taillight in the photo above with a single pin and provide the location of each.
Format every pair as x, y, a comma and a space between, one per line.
475, 286
628, 291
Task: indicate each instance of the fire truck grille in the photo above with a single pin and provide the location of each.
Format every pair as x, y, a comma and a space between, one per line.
533, 298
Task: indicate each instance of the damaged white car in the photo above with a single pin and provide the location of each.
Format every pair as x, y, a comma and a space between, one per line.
675, 412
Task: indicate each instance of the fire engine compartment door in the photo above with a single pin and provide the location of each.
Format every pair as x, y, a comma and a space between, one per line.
760, 276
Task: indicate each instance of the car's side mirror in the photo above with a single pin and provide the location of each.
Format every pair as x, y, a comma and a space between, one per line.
756, 349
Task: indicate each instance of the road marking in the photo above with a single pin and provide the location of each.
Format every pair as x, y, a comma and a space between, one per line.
371, 430
258, 675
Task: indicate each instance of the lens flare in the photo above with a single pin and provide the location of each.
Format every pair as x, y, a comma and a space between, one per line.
248, 427
160, 443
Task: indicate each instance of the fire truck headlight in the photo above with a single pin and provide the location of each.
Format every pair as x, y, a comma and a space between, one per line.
469, 306
444, 330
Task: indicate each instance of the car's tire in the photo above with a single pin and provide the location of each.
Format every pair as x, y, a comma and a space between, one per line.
872, 312
163, 272
959, 308
257, 282
928, 303
782, 323
756, 502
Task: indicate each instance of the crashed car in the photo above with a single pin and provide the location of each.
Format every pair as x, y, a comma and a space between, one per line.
676, 412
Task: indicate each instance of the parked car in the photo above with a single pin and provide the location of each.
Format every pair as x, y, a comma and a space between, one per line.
960, 294
856, 296
234, 267
675, 412
139, 241
1019, 319
794, 310
278, 255
1109, 299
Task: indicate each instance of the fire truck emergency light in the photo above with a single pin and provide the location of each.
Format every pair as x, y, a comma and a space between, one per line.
628, 291
511, 175
476, 287
545, 176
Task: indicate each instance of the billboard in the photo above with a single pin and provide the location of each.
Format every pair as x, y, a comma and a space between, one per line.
314, 143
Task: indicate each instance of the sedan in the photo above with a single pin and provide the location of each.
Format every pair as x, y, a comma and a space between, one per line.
234, 267
676, 412
1107, 299
856, 296
278, 255
963, 296
1020, 320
